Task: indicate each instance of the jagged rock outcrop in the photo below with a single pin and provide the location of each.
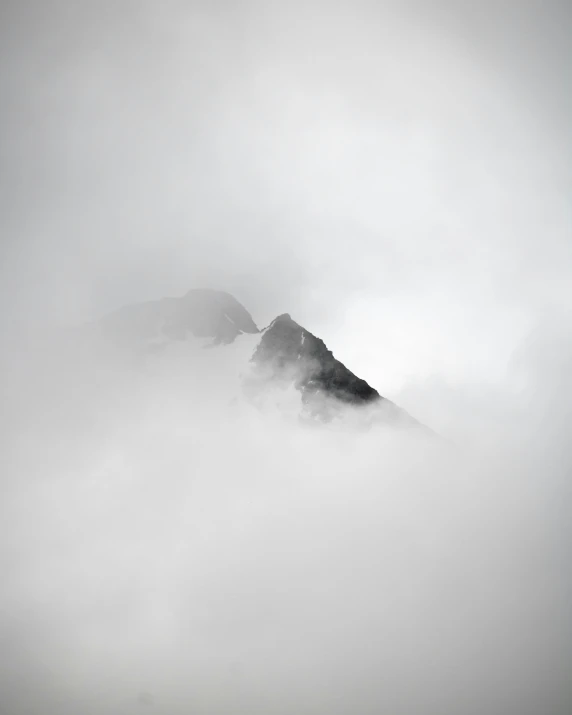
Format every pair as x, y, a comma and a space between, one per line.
288, 349
289, 353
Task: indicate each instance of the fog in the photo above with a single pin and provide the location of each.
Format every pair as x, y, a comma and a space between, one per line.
394, 175
163, 548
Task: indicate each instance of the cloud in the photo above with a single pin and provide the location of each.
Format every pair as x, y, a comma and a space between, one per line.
155, 541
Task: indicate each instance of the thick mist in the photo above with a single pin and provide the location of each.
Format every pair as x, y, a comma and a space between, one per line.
396, 176
168, 545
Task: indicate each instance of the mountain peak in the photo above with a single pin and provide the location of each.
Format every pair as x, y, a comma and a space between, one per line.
283, 317
287, 347
284, 352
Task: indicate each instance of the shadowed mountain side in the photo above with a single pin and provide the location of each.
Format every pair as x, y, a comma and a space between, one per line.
289, 352
287, 347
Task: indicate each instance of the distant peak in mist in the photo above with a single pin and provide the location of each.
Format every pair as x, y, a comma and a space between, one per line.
202, 313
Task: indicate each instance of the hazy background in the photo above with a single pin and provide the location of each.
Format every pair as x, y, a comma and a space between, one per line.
396, 176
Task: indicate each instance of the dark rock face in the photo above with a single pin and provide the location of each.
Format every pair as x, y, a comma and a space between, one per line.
203, 313
287, 349
289, 353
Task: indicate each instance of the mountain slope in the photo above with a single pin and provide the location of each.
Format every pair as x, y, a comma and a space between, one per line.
286, 345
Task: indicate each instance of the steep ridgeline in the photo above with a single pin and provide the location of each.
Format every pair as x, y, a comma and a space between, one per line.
288, 352
288, 349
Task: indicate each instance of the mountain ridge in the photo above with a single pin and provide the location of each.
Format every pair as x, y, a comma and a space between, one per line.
286, 354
